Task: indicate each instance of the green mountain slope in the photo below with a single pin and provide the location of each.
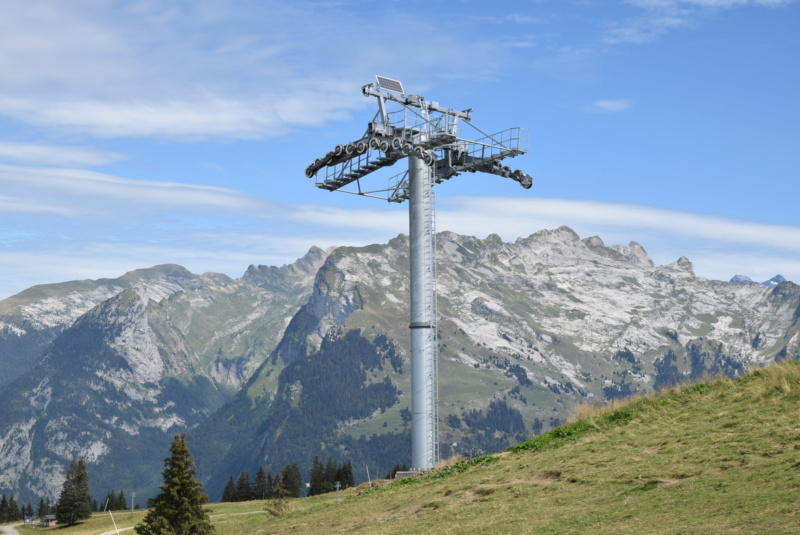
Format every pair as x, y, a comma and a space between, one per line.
312, 358
131, 362
716, 457
528, 330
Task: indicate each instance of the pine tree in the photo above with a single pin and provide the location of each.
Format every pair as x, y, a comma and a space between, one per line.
317, 479
330, 475
243, 490
121, 501
260, 485
75, 501
346, 475
229, 493
3, 510
110, 501
270, 486
292, 481
178, 510
43, 508
13, 510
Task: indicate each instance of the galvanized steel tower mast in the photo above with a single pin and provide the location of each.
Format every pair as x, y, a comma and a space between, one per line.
429, 135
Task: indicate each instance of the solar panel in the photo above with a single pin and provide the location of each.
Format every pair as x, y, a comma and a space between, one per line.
390, 85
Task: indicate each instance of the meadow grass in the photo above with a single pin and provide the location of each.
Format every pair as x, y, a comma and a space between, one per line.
720, 456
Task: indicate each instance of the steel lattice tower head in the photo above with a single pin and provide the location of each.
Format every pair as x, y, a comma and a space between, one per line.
430, 137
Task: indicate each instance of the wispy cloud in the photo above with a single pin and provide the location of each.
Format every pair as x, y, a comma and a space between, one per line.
662, 16
81, 193
509, 214
59, 156
208, 116
250, 72
609, 106
213, 229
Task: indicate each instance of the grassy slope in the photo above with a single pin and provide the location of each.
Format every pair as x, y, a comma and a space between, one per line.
717, 457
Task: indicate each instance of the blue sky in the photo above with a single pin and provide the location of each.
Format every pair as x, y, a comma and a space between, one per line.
135, 133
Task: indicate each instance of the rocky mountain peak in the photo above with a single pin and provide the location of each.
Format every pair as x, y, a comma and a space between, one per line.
774, 281
633, 253
684, 264
771, 283
304, 269
561, 235
171, 272
540, 324
594, 241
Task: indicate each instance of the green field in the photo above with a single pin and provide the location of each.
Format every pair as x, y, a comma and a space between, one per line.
717, 457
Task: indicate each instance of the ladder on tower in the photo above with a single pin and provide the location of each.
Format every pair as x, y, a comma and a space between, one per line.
431, 307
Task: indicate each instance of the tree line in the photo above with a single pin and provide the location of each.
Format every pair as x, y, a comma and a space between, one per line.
113, 502
288, 482
74, 502
324, 477
10, 511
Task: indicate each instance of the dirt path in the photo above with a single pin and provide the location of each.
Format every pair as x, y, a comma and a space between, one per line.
11, 529
114, 531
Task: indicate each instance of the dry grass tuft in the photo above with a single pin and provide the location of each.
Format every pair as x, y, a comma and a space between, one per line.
452, 460
594, 413
779, 379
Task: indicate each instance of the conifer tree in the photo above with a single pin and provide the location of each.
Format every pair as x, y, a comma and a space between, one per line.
330, 474
345, 475
114, 501
13, 510
260, 485
271, 484
110, 502
317, 479
243, 490
229, 492
291, 481
75, 501
178, 510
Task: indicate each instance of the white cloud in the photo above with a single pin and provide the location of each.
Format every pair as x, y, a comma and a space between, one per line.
210, 116
509, 216
90, 194
609, 106
213, 229
202, 69
29, 153
376, 219
9, 205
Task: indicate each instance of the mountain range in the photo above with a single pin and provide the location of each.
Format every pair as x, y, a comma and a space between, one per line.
771, 283
311, 359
